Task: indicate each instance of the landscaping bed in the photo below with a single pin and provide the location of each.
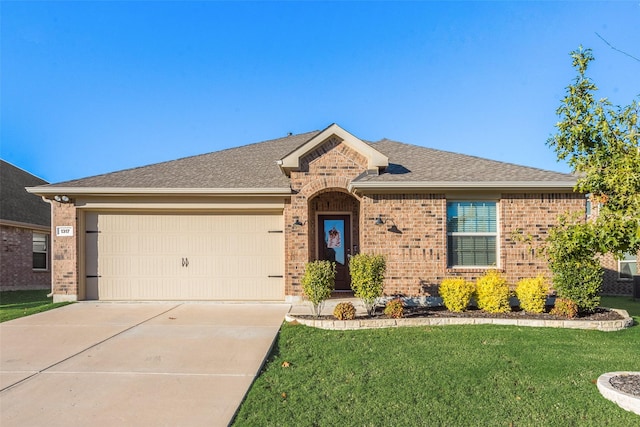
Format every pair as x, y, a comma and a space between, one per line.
598, 314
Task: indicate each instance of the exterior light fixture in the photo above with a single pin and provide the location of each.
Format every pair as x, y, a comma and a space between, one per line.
298, 223
62, 199
393, 229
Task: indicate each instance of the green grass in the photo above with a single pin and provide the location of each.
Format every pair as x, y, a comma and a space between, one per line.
14, 304
483, 375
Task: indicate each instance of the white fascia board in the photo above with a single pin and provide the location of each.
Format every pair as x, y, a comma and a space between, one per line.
374, 157
444, 185
105, 191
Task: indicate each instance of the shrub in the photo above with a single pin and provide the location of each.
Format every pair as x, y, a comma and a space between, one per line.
367, 278
580, 282
394, 308
456, 293
572, 252
532, 294
565, 307
493, 293
318, 282
344, 311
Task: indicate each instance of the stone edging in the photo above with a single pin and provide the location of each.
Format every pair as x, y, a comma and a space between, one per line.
600, 325
624, 400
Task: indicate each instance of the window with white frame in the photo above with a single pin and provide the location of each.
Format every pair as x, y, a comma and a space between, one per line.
40, 251
628, 266
471, 234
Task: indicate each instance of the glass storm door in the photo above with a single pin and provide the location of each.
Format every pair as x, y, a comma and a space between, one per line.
334, 244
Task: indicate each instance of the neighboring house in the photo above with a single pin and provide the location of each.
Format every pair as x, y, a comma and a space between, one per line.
25, 224
240, 224
618, 273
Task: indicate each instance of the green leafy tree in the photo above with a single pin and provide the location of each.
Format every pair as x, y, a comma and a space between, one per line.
601, 143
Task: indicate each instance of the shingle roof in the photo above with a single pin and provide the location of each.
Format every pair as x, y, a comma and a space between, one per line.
15, 203
412, 163
254, 167
249, 166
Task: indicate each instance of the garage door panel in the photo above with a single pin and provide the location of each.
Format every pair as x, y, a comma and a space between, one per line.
144, 256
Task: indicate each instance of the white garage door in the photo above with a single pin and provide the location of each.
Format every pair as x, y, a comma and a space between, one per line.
145, 256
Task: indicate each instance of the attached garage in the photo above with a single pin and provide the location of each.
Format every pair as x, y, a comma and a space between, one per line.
191, 256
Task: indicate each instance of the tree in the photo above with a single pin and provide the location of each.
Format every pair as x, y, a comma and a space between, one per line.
601, 144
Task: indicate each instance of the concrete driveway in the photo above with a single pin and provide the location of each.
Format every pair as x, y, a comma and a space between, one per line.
126, 364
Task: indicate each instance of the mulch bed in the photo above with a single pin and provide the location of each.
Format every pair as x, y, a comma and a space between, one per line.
627, 383
413, 312
516, 313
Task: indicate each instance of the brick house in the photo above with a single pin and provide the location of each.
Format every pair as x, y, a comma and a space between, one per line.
25, 224
240, 224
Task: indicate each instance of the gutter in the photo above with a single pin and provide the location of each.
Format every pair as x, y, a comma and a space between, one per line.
460, 185
141, 191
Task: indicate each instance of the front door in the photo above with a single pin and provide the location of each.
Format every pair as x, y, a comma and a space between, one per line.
334, 244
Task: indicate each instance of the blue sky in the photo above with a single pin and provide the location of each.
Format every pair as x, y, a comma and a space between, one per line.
94, 87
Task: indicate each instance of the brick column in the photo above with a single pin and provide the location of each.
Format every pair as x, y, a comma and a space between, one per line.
64, 257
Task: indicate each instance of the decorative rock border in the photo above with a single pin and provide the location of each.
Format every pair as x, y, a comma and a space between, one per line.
626, 401
363, 323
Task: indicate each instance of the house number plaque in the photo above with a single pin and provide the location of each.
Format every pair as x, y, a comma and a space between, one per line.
64, 230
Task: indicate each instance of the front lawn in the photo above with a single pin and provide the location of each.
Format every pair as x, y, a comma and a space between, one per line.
14, 304
483, 375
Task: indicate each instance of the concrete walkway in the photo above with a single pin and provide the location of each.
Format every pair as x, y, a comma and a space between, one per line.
126, 364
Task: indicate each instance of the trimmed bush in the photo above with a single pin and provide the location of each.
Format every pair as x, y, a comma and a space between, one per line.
394, 308
580, 282
572, 251
367, 278
565, 307
318, 282
456, 293
492, 292
532, 294
344, 311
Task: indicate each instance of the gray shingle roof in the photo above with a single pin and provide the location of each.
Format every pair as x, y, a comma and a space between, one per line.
411, 163
249, 166
15, 203
254, 166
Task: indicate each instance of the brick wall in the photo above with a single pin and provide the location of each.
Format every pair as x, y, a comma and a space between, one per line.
65, 254
414, 235
415, 253
16, 260
319, 186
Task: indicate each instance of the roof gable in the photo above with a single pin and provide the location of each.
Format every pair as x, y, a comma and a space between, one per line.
375, 159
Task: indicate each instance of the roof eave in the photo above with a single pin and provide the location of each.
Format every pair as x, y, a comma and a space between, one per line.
118, 191
468, 185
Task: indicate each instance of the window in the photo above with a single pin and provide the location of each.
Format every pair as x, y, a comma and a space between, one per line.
471, 234
40, 251
628, 266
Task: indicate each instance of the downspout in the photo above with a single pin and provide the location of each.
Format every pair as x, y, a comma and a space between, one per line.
49, 295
